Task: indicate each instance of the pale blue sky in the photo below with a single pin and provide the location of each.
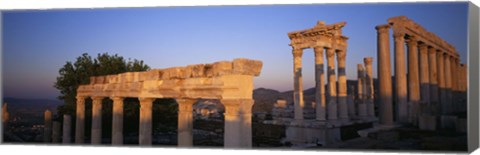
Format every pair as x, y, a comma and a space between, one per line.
36, 44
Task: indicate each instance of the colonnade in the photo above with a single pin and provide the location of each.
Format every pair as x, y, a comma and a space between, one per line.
365, 89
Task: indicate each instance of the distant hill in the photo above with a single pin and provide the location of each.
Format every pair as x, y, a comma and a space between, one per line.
30, 107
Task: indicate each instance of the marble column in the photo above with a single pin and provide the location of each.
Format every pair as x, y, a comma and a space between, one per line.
342, 84
47, 130
67, 129
432, 60
400, 77
320, 108
145, 135
369, 86
117, 121
80, 120
413, 80
298, 83
185, 122
441, 82
384, 75
56, 129
96, 134
332, 85
362, 107
448, 83
238, 123
424, 74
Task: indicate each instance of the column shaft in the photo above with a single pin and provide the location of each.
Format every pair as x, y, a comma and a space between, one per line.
56, 129
400, 77
96, 134
238, 121
47, 131
432, 59
320, 84
448, 83
185, 122
80, 120
369, 86
362, 108
298, 84
117, 121
145, 129
424, 74
441, 82
384, 75
332, 85
342, 84
67, 129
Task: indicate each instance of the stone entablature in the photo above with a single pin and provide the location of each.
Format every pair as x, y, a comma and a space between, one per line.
219, 80
328, 36
405, 26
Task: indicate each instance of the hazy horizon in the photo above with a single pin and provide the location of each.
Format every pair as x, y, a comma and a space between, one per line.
37, 43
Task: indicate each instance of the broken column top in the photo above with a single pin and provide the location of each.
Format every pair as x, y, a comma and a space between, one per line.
240, 66
321, 28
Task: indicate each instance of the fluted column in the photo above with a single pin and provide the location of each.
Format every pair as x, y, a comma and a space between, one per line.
342, 84
433, 79
320, 108
117, 121
145, 135
424, 74
384, 75
332, 85
369, 86
400, 77
96, 120
362, 107
448, 83
185, 122
298, 83
67, 129
238, 123
441, 82
413, 80
80, 120
47, 130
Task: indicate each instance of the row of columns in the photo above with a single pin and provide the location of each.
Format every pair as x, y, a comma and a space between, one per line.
238, 114
432, 76
365, 89
336, 106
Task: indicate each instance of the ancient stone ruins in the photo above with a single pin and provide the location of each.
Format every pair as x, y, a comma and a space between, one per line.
426, 94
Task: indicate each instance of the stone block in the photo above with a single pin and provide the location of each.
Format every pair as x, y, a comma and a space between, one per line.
222, 68
111, 79
427, 122
247, 67
448, 122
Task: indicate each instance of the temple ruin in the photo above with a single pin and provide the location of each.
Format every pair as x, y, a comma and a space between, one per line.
231, 82
436, 79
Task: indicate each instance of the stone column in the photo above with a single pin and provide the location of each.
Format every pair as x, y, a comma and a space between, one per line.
80, 120
400, 77
47, 130
454, 73
298, 83
238, 123
320, 84
432, 59
96, 135
413, 80
56, 129
332, 85
185, 122
441, 82
342, 84
369, 86
385, 75
117, 121
424, 74
67, 129
448, 83
362, 107
145, 135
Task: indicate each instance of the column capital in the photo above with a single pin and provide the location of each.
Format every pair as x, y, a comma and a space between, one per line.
146, 99
432, 50
382, 28
318, 49
115, 98
412, 41
237, 105
185, 105
341, 54
368, 60
297, 52
423, 45
330, 52
97, 98
80, 98
398, 34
